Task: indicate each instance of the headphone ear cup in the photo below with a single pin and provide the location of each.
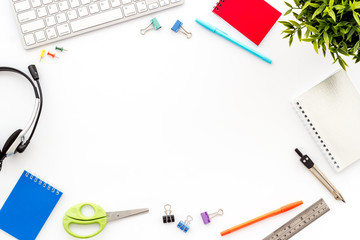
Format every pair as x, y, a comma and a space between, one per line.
10, 141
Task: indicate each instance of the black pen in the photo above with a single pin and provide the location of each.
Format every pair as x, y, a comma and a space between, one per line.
319, 175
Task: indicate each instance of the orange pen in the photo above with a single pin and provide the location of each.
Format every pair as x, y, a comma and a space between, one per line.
262, 217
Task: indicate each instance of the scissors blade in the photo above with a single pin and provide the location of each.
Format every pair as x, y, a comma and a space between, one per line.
113, 216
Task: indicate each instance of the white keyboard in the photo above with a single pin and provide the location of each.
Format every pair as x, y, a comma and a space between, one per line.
44, 21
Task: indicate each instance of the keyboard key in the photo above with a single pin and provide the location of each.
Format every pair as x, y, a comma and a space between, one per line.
126, 1
153, 6
35, 3
51, 33
47, 1
63, 29
53, 9
29, 39
115, 3
22, 6
129, 10
94, 8
40, 36
41, 12
164, 3
63, 6
83, 2
83, 11
61, 17
141, 6
96, 20
50, 21
104, 5
74, 3
32, 26
175, 1
72, 14
26, 16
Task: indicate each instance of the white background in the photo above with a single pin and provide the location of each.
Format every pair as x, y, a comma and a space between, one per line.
132, 121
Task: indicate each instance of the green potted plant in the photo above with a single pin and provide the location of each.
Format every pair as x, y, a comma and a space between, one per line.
330, 25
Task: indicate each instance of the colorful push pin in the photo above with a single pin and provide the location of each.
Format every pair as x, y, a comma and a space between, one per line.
178, 26
42, 54
52, 55
207, 217
61, 49
184, 225
154, 24
168, 218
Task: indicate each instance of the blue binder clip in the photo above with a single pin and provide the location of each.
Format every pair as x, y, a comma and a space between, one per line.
184, 225
178, 27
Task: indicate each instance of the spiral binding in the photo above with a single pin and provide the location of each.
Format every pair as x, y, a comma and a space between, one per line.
41, 183
317, 135
218, 5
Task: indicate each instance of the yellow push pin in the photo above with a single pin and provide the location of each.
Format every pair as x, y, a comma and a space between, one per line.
42, 54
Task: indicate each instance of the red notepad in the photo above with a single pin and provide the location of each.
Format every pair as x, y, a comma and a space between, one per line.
253, 18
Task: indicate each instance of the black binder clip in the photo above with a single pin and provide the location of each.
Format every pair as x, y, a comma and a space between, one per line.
168, 218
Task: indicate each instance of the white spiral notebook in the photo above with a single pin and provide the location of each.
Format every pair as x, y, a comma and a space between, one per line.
331, 111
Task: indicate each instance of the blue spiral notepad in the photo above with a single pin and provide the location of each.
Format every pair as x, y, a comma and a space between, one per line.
28, 207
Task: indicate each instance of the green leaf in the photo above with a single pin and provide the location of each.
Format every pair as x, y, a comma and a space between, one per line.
342, 65
326, 38
288, 4
286, 24
318, 11
305, 5
332, 15
297, 2
314, 5
350, 34
291, 40
355, 14
331, 3
288, 31
288, 12
295, 23
324, 50
307, 39
356, 47
299, 33
356, 5
315, 47
339, 7
313, 29
287, 35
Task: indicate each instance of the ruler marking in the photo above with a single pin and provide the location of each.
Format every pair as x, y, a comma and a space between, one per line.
300, 221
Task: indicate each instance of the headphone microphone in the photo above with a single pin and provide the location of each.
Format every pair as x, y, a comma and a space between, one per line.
18, 142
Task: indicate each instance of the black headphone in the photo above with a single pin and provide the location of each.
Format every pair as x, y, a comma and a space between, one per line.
17, 143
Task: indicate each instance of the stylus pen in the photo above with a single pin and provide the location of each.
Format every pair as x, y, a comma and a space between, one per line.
227, 37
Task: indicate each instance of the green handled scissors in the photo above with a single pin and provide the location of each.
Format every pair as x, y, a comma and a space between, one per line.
74, 216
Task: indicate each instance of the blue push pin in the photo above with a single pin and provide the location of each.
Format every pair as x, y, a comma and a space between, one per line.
178, 26
184, 225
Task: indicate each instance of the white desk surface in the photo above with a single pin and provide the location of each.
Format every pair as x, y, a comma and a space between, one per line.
132, 121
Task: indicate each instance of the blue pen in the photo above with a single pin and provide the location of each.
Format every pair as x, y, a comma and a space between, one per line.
227, 37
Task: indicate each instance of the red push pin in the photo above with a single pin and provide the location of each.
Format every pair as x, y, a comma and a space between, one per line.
52, 55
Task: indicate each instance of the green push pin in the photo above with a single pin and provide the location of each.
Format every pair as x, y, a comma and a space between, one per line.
154, 24
61, 49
